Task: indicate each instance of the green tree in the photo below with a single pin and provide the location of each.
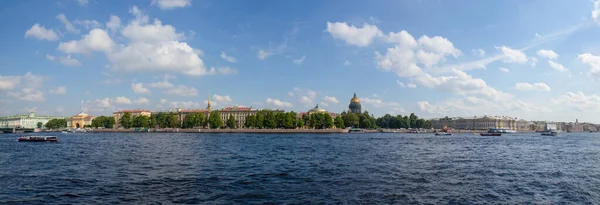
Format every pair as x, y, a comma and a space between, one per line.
413, 120
231, 122
141, 121
328, 121
289, 121
270, 120
250, 119
199, 119
260, 121
279, 119
406, 122
300, 123
153, 122
306, 120
189, 120
214, 120
56, 123
39, 125
125, 120
172, 121
339, 122
350, 120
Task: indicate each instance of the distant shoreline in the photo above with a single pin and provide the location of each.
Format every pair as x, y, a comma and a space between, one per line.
273, 131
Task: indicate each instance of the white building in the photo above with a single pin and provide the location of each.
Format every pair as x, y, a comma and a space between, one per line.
25, 120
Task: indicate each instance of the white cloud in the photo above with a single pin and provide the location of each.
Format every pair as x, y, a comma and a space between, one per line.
68, 25
579, 101
592, 61
122, 100
96, 40
378, 103
549, 54
478, 52
330, 100
139, 88
182, 90
221, 99
41, 33
83, 2
347, 63
291, 94
61, 90
114, 23
353, 35
230, 59
512, 56
171, 4
163, 84
406, 57
300, 60
186, 105
278, 103
596, 11
462, 84
28, 94
262, 54
227, 71
474, 106
533, 61
505, 70
65, 60
402, 38
533, 87
404, 85
142, 100
9, 82
88, 24
556, 66
306, 101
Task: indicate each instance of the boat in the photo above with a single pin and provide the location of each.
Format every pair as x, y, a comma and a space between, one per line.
550, 133
493, 132
354, 130
442, 133
38, 139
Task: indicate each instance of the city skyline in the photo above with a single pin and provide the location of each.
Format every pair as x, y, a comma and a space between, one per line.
431, 58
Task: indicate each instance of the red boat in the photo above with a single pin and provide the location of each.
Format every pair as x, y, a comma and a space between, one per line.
38, 139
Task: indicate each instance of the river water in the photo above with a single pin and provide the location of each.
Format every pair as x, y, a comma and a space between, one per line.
155, 168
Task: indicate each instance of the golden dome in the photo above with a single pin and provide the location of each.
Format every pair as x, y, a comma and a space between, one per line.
317, 110
354, 99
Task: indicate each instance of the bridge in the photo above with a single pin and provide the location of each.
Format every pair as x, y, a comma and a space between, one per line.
15, 130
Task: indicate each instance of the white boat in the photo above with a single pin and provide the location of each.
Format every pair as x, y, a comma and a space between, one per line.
550, 133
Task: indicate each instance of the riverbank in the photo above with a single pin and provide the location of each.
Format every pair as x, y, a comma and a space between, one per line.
273, 131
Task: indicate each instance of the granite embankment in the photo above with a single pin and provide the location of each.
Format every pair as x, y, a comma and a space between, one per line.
275, 131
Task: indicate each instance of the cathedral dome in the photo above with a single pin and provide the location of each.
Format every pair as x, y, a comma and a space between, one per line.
317, 110
354, 99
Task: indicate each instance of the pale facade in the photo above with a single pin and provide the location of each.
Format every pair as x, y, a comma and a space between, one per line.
240, 113
132, 113
475, 123
25, 120
80, 120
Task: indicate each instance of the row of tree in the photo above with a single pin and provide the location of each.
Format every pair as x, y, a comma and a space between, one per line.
264, 119
399, 121
55, 124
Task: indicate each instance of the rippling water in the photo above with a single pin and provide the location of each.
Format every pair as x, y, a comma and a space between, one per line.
153, 168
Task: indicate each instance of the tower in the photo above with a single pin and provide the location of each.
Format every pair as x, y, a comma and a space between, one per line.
355, 106
208, 107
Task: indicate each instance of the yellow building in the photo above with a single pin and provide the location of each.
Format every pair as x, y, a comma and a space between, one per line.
80, 120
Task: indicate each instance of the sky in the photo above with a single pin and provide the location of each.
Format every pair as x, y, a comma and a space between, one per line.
529, 59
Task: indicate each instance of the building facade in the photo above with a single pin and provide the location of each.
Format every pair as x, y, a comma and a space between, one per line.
80, 120
355, 106
475, 123
133, 113
25, 120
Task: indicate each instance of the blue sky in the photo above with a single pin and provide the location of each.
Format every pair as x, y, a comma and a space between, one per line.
536, 60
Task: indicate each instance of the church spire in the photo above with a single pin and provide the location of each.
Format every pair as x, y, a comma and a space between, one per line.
208, 107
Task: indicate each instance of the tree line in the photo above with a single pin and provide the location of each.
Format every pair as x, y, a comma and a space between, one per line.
399, 121
264, 119
55, 124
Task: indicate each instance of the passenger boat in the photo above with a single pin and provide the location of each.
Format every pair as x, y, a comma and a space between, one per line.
38, 139
493, 132
550, 133
442, 133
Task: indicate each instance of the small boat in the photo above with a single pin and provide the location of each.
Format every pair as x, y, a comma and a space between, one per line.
355, 130
442, 133
490, 134
38, 139
550, 133
64, 132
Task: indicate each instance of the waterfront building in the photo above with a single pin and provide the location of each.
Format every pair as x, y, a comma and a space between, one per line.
317, 109
25, 120
524, 125
133, 113
355, 106
80, 120
475, 123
